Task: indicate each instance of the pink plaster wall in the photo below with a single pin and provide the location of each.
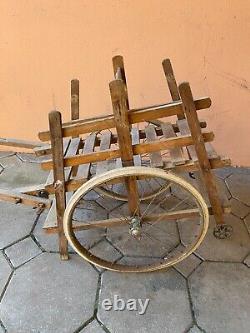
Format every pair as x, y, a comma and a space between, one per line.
45, 43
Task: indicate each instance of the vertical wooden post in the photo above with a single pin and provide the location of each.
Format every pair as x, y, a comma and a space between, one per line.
172, 85
119, 69
74, 94
119, 72
55, 125
74, 99
120, 108
205, 167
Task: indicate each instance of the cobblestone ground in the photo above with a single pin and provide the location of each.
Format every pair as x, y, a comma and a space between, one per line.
208, 292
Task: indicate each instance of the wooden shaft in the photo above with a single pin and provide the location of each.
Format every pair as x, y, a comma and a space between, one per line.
25, 199
118, 222
74, 99
172, 85
120, 109
204, 164
74, 109
55, 125
20, 143
118, 67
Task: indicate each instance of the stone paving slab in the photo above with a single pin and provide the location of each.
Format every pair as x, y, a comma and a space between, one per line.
6, 153
247, 223
168, 309
221, 296
16, 222
31, 158
247, 260
234, 248
49, 242
194, 329
223, 173
48, 295
239, 186
93, 327
108, 203
18, 174
238, 208
4, 272
187, 266
105, 250
22, 251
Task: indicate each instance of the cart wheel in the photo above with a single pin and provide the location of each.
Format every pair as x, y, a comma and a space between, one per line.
157, 235
117, 195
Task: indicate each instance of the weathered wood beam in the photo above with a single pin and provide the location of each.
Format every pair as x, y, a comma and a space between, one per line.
118, 222
135, 116
18, 143
29, 200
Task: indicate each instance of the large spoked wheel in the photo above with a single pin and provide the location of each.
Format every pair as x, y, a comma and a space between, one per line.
158, 234
118, 194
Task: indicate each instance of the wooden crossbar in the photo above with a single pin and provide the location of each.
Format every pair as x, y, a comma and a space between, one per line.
134, 116
141, 148
18, 143
29, 200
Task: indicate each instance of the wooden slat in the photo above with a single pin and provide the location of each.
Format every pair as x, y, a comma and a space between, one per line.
51, 218
104, 145
134, 116
18, 143
71, 151
29, 200
176, 154
155, 157
184, 129
138, 149
84, 169
135, 136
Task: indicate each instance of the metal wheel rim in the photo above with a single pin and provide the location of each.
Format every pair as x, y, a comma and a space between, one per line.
125, 172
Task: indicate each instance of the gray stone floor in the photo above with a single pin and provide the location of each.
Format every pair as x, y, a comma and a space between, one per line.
208, 292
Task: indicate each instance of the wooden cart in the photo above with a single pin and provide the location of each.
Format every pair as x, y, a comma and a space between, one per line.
132, 158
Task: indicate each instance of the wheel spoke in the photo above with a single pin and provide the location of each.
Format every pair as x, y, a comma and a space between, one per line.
118, 221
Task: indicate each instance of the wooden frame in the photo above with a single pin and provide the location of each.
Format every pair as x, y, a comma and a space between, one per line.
72, 155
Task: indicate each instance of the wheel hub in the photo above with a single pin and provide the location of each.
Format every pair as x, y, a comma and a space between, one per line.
135, 227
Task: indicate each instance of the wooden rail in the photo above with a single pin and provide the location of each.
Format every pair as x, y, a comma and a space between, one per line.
138, 149
135, 116
20, 143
